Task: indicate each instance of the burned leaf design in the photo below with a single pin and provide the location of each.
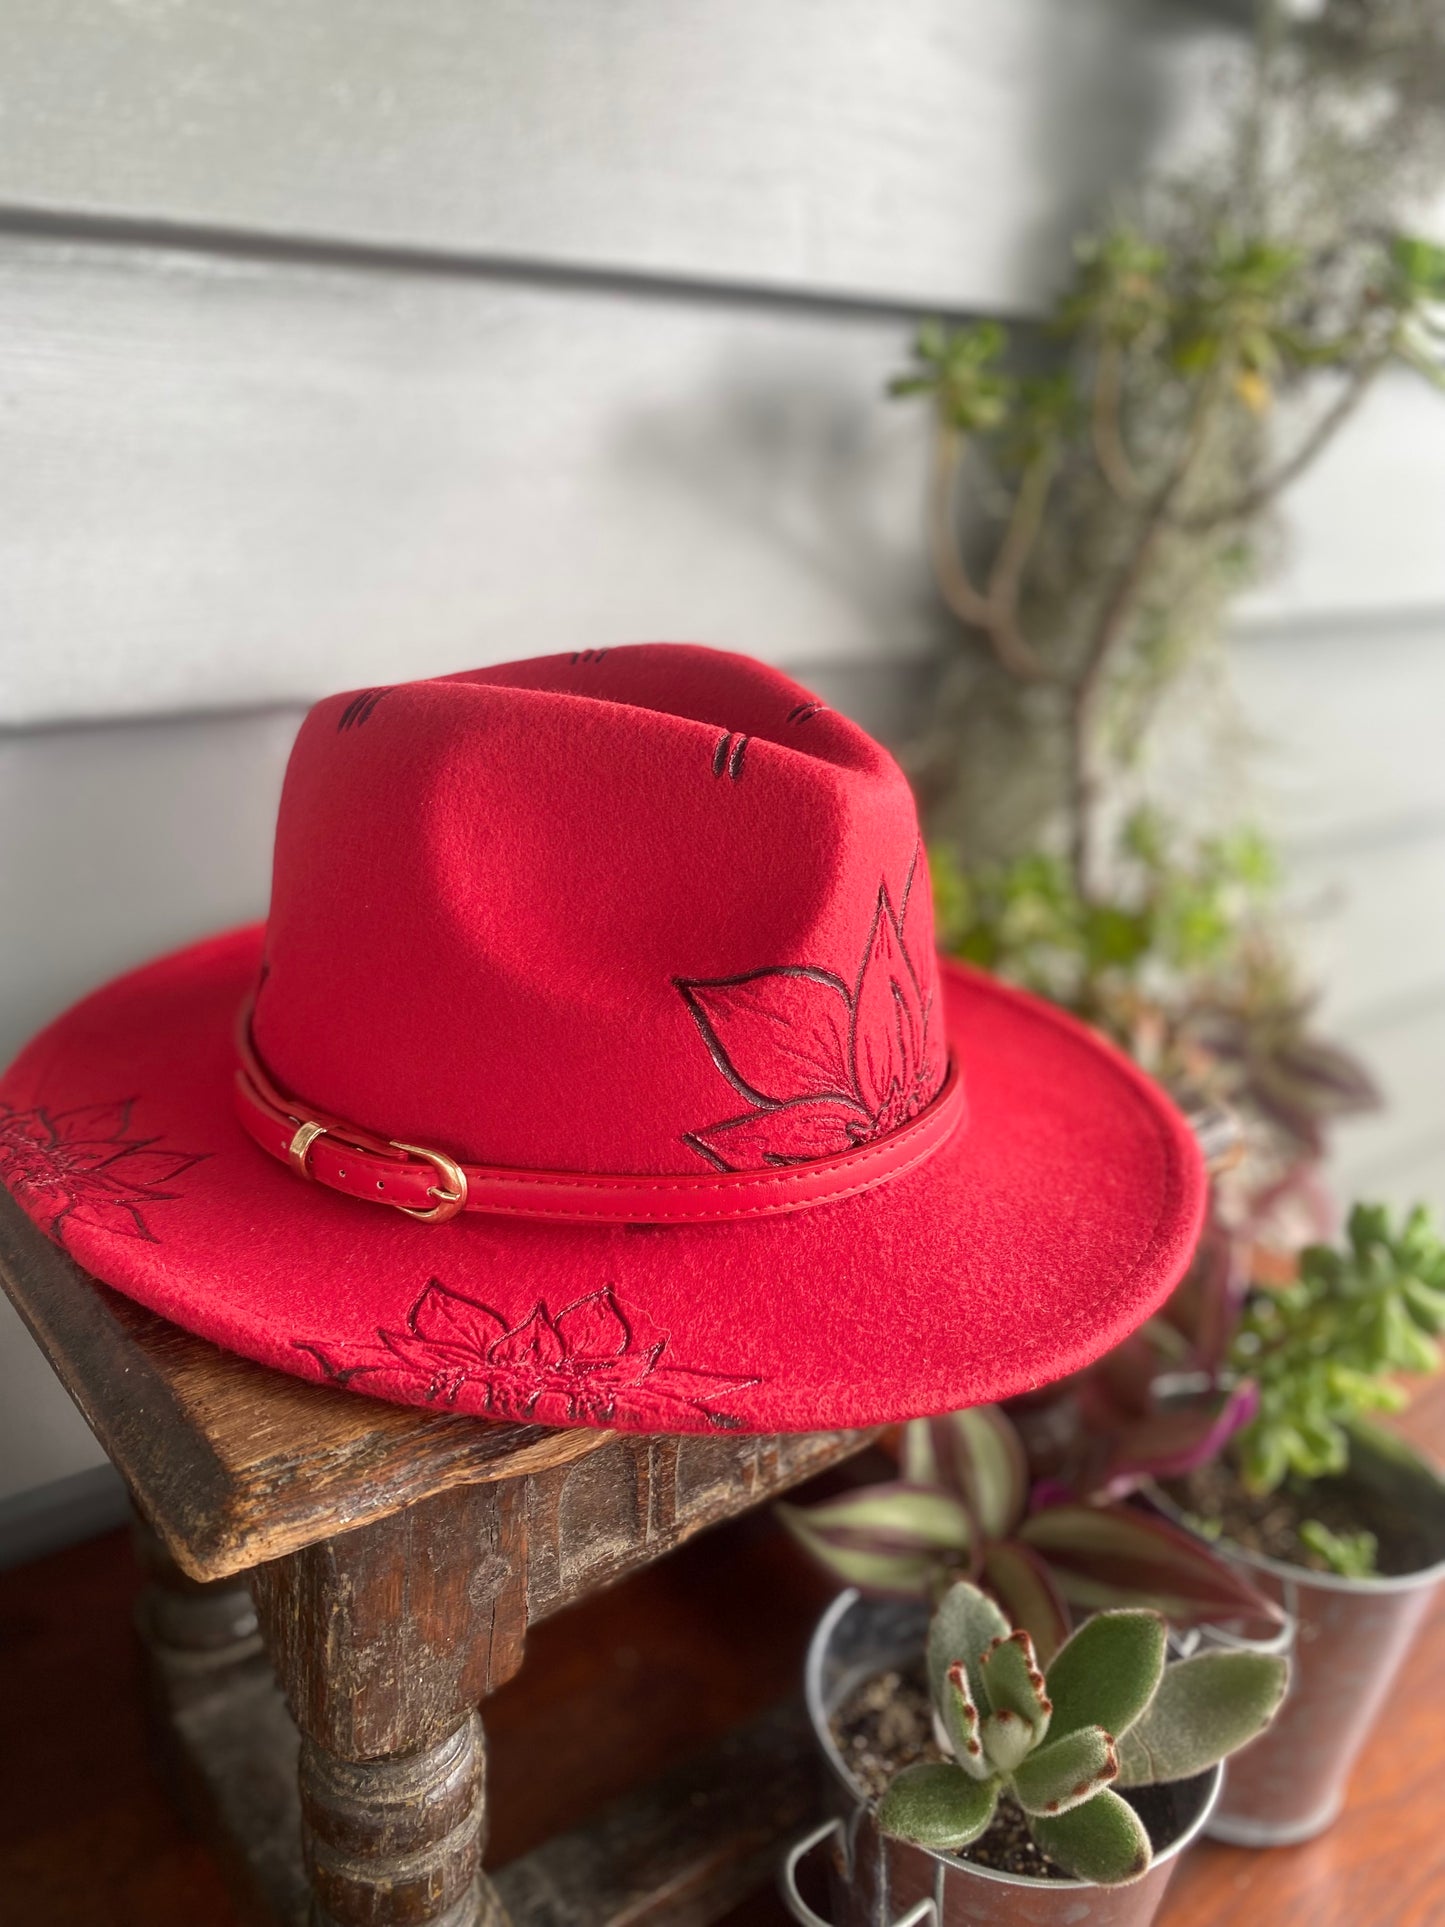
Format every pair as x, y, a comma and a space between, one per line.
824, 1065
589, 1362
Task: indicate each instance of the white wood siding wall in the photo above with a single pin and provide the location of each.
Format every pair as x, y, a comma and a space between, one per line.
342, 344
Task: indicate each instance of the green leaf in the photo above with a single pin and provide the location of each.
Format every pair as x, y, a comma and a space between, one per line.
1116, 1555
1406, 1346
1264, 1454
906, 1573
1426, 1303
1103, 1840
1013, 1683
937, 1806
1351, 1554
1066, 1772
900, 387
1020, 1581
915, 1514
931, 342
975, 1455
1420, 265
989, 1467
1205, 1709
1007, 1739
960, 1716
963, 1625
917, 1459
1108, 1672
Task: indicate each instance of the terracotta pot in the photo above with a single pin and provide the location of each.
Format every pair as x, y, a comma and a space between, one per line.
873, 1881
1350, 1638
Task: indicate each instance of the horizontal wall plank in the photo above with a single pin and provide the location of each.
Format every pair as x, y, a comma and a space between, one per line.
1371, 921
1400, 1153
1406, 1175
136, 838
230, 482
225, 482
1339, 726
1342, 718
940, 152
1361, 531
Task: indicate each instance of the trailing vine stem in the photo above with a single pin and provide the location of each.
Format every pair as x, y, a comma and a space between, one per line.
1277, 260
1107, 425
1253, 500
993, 613
1111, 628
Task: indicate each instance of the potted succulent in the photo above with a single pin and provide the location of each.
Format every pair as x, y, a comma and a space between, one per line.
1006, 1786
1278, 1515
1340, 1522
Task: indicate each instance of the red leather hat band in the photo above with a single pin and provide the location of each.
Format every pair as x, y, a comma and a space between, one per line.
434, 1187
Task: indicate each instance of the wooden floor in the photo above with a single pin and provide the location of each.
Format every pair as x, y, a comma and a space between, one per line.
662, 1663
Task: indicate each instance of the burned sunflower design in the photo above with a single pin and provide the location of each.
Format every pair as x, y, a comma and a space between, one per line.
87, 1167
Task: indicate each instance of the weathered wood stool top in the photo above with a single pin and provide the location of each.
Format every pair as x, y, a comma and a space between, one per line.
395, 1559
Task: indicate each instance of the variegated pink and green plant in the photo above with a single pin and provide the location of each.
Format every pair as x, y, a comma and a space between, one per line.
963, 1508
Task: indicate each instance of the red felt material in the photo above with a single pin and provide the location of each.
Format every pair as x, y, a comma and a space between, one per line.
639, 911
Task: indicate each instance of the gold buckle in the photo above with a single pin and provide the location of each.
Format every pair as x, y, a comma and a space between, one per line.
449, 1203
299, 1149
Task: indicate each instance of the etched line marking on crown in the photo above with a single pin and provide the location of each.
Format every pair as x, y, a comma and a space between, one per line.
720, 754
579, 656
359, 709
805, 712
735, 761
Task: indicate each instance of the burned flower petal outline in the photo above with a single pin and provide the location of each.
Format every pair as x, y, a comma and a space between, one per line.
83, 1167
736, 1017
561, 1374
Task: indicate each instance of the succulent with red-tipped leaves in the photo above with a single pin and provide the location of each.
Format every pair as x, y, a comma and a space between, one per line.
961, 1509
1106, 1713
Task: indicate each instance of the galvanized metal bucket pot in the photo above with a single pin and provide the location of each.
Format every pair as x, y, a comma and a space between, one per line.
1350, 1640
876, 1882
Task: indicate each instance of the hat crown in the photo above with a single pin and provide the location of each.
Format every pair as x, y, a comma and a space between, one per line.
648, 910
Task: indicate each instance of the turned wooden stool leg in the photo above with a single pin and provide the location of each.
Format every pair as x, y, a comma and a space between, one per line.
399, 1838
199, 1626
199, 1640
385, 1640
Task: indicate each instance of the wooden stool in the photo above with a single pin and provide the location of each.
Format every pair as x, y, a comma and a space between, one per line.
386, 1564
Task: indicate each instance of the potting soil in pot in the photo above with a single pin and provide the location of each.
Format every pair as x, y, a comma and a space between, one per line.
886, 1724
1269, 1524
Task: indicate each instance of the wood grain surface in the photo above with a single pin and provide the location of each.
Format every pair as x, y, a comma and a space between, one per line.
236, 1465
232, 1463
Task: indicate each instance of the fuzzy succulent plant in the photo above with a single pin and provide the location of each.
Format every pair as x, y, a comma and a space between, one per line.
1107, 1713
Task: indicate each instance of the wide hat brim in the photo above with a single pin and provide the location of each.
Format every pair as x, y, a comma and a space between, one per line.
1042, 1233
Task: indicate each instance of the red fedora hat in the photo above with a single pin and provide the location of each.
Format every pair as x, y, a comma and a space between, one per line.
595, 1066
